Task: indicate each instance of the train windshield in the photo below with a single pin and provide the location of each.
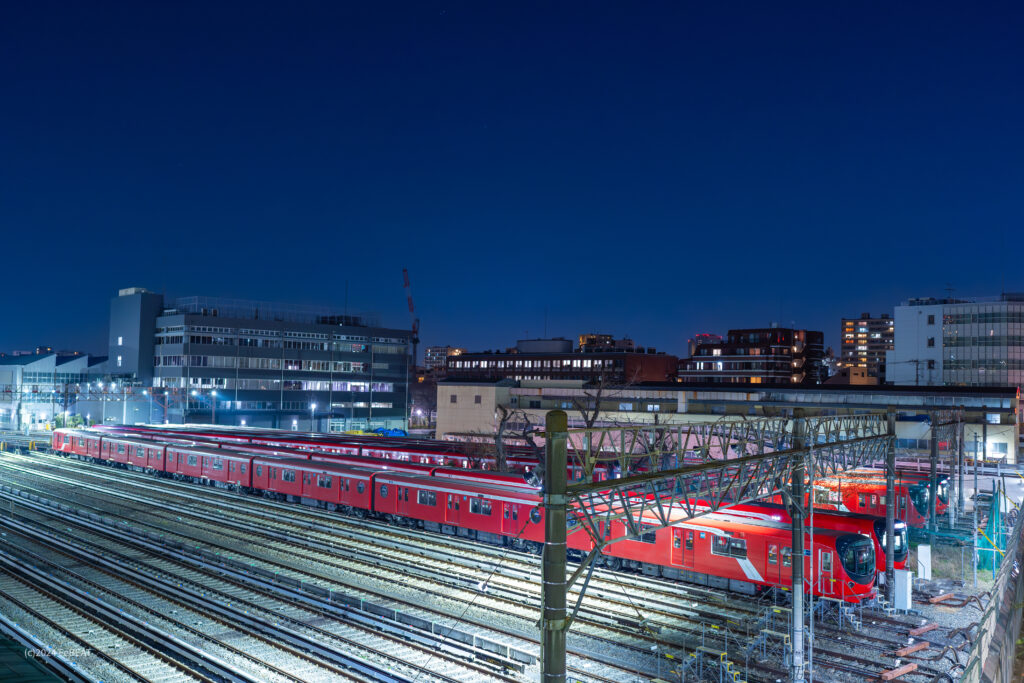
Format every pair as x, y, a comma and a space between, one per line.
942, 490
899, 542
857, 555
919, 497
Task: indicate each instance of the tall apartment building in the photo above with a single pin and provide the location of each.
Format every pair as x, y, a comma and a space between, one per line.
770, 355
864, 341
954, 341
243, 362
436, 357
544, 359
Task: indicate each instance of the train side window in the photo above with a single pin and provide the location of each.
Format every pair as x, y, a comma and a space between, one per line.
860, 499
773, 554
218, 464
81, 443
649, 536
120, 449
361, 486
515, 512
288, 475
506, 512
259, 470
874, 499
231, 467
689, 540
720, 545
67, 438
383, 490
676, 542
426, 497
324, 482
193, 460
480, 506
826, 562
535, 515
881, 500
787, 557
405, 495
242, 468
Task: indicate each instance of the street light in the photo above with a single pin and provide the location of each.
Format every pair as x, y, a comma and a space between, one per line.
213, 403
312, 409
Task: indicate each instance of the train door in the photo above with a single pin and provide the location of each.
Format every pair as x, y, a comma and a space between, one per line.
510, 519
827, 581
688, 547
677, 546
774, 571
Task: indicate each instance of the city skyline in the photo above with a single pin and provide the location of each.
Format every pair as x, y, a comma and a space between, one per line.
541, 171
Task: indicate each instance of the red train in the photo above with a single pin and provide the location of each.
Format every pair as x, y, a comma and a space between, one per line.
374, 447
721, 549
904, 476
867, 496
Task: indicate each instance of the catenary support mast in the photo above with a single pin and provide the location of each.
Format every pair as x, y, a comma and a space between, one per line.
796, 670
554, 621
890, 509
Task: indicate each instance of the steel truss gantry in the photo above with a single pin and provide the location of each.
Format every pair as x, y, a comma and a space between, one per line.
665, 468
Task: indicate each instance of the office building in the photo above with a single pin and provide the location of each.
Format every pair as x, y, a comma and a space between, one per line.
435, 358
260, 364
545, 359
959, 342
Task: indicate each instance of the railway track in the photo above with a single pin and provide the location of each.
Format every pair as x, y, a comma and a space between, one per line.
287, 566
196, 603
674, 610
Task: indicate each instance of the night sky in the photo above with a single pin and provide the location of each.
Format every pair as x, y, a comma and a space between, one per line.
643, 169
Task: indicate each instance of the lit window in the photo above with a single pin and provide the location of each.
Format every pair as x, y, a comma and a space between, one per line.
119, 361
120, 341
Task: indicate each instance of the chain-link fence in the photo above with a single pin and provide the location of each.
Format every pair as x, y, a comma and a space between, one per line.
993, 652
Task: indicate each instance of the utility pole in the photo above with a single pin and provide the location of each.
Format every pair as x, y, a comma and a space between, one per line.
796, 484
553, 617
890, 508
933, 479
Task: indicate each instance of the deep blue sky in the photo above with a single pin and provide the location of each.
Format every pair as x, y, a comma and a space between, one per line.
651, 169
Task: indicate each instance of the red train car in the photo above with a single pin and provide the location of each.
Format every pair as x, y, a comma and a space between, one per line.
869, 525
743, 554
904, 476
868, 497
187, 461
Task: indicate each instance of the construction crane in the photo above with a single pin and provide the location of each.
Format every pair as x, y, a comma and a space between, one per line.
415, 322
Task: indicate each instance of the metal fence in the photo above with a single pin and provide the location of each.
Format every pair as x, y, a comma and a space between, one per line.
992, 654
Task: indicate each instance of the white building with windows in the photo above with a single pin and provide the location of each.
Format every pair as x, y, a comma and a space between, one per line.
958, 342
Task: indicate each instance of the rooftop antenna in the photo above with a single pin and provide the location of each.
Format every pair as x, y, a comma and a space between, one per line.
1002, 263
413, 320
